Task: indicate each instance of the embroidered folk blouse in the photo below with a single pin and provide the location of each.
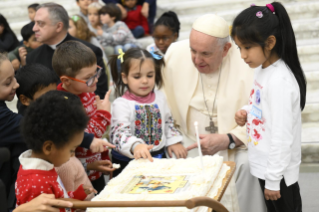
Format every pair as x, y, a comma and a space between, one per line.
149, 123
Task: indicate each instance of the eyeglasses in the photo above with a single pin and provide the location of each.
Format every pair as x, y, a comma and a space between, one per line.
90, 81
165, 38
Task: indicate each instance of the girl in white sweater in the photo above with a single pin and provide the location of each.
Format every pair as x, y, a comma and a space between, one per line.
142, 125
267, 43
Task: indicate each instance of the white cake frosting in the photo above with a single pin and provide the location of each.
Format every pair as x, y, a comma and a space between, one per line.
195, 182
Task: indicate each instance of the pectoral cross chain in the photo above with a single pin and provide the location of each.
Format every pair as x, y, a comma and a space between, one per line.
211, 128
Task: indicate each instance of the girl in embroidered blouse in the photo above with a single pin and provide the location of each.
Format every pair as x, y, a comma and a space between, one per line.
142, 125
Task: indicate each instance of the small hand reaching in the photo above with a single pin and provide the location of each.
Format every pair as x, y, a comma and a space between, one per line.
89, 189
100, 145
241, 117
143, 151
104, 104
104, 166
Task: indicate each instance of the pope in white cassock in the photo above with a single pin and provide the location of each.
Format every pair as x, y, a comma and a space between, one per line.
205, 80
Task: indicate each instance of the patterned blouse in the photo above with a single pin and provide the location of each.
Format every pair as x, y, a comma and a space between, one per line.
150, 123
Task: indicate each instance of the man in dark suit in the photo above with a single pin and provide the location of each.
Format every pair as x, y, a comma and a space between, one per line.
51, 29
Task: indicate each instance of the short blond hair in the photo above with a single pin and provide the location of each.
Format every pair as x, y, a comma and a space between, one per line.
95, 5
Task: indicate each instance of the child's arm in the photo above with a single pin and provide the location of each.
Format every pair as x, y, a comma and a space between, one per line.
121, 134
241, 115
81, 192
121, 33
102, 118
281, 98
144, 23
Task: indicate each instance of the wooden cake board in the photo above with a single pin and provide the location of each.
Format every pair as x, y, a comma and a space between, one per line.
191, 203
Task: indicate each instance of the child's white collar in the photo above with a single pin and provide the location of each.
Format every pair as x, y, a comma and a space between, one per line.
34, 163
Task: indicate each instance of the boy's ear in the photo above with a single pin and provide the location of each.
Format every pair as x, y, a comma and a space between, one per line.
113, 19
270, 42
124, 78
175, 36
47, 147
24, 100
26, 43
66, 81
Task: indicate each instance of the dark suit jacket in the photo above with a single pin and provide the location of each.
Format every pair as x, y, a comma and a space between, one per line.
44, 54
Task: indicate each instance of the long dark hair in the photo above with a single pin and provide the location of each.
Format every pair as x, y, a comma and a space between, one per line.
133, 53
251, 29
170, 20
7, 29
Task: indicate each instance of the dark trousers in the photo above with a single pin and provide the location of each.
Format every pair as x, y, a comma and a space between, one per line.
99, 184
290, 200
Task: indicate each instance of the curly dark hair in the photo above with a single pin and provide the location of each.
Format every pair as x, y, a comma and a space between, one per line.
56, 116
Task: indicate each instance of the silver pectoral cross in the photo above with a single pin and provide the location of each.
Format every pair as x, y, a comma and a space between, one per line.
211, 128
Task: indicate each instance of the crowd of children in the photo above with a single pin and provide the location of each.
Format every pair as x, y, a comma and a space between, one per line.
51, 139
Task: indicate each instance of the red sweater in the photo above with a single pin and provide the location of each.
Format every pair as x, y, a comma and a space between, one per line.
33, 182
135, 18
99, 120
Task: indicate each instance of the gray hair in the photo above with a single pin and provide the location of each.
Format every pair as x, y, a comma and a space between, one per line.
57, 13
221, 42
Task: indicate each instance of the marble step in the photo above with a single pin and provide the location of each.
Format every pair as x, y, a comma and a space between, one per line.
310, 114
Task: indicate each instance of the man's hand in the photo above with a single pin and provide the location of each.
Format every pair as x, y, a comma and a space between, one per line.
145, 9
272, 195
178, 149
211, 143
241, 117
23, 55
104, 104
89, 189
100, 145
43, 203
143, 151
104, 166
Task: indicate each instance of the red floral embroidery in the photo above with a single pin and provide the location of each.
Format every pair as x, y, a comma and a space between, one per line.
160, 121
137, 122
156, 142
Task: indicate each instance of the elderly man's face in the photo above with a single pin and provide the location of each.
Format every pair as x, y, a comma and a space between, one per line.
207, 55
45, 30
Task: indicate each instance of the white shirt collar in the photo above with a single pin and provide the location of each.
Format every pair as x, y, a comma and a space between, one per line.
55, 45
34, 163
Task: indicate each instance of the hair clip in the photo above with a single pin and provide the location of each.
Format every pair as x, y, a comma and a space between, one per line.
65, 97
155, 56
252, 5
121, 55
75, 18
259, 14
271, 8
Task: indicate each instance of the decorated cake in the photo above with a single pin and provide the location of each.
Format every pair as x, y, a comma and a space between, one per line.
164, 179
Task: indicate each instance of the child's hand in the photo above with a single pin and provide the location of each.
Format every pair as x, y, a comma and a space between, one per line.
272, 195
145, 9
104, 166
99, 31
143, 151
104, 104
89, 189
100, 145
178, 149
241, 117
16, 64
23, 55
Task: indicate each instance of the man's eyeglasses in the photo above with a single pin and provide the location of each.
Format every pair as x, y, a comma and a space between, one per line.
91, 80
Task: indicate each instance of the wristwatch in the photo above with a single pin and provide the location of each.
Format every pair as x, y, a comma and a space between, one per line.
232, 144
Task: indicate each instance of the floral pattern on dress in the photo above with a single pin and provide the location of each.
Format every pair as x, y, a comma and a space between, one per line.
171, 128
117, 132
148, 123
